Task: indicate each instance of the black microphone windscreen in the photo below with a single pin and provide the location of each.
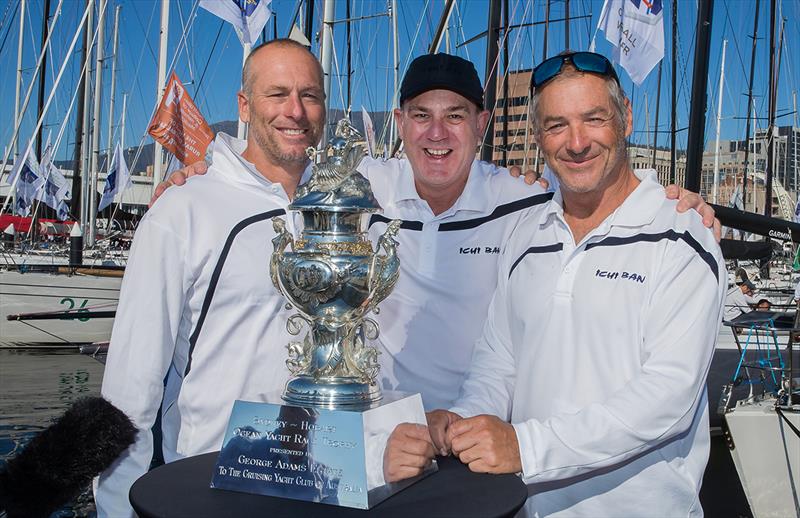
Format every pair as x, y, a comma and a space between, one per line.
63, 458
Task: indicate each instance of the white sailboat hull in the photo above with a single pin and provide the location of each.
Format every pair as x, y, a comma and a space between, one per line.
767, 457
38, 292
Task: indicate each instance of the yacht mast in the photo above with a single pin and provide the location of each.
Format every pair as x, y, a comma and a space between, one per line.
771, 125
18, 88
753, 172
750, 108
326, 54
77, 164
794, 105
162, 75
697, 112
442, 29
784, 175
506, 64
395, 71
348, 107
96, 113
719, 122
34, 230
85, 128
658, 111
112, 93
674, 101
544, 56
490, 88
241, 128
446, 34
43, 74
546, 29
122, 121
309, 22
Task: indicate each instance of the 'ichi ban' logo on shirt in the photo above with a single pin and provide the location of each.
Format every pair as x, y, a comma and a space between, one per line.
476, 250
620, 275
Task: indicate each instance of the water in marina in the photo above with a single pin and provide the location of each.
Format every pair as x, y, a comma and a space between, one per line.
37, 386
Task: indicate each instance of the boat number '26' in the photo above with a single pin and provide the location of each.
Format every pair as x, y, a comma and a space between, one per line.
81, 309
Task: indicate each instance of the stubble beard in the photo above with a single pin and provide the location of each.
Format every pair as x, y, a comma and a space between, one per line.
617, 159
272, 149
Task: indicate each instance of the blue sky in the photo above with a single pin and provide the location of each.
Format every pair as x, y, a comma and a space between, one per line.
210, 61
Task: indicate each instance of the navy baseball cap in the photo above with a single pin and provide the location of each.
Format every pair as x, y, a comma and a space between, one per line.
442, 72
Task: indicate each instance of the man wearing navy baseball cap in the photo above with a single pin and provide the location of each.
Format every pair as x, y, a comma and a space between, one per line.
445, 72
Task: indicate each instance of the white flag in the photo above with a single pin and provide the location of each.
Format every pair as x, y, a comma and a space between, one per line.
28, 185
636, 29
56, 189
369, 132
735, 202
117, 180
248, 17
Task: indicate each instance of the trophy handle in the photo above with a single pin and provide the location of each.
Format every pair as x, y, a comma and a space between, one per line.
279, 243
384, 269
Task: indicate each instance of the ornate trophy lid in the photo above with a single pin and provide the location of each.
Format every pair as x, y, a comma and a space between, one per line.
335, 185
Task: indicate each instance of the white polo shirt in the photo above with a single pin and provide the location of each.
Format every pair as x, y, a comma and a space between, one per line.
448, 272
198, 312
598, 353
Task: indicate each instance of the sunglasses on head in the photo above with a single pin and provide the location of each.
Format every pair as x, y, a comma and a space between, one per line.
582, 61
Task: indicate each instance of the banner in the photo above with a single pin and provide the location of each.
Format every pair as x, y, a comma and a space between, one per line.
636, 29
117, 180
29, 183
248, 17
179, 126
56, 189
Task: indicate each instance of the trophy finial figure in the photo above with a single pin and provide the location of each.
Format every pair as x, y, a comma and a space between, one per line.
343, 154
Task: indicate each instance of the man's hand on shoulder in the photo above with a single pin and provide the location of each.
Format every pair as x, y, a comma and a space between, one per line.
179, 178
691, 200
409, 450
487, 444
530, 176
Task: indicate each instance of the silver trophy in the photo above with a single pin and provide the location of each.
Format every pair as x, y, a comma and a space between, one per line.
334, 278
322, 440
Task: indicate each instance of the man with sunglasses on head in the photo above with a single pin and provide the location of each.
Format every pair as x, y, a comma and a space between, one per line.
597, 397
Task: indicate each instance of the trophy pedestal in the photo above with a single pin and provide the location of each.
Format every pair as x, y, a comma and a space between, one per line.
326, 455
330, 392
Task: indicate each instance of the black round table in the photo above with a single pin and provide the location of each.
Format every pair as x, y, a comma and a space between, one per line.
181, 489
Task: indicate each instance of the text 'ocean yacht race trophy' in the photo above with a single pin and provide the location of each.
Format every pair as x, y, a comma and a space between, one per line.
322, 440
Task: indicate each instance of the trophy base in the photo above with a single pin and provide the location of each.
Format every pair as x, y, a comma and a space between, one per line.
325, 455
330, 392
